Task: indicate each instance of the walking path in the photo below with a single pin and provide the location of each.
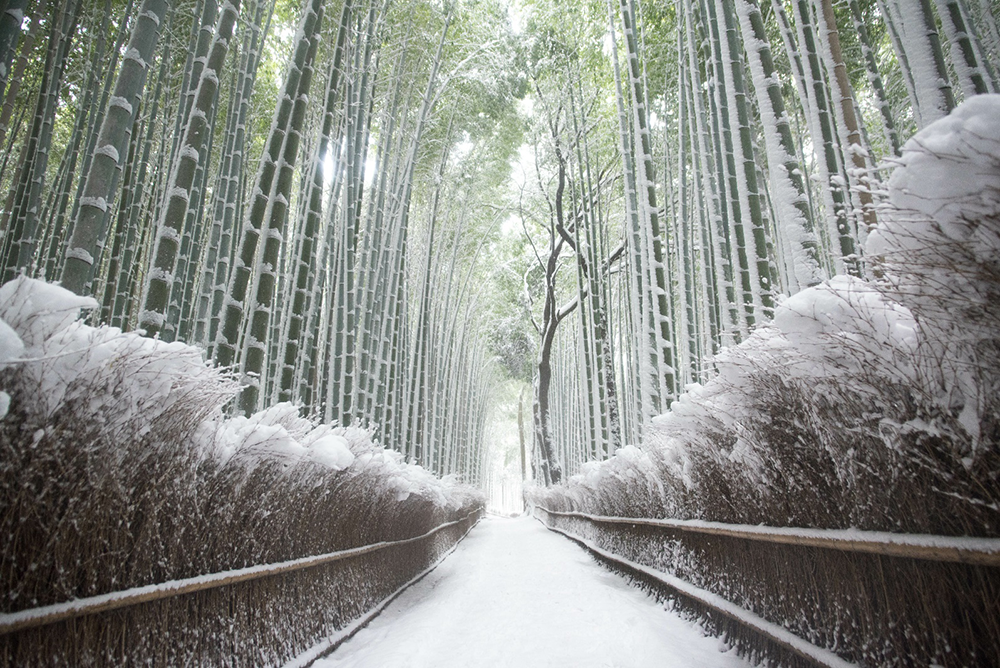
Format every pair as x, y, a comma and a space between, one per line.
517, 595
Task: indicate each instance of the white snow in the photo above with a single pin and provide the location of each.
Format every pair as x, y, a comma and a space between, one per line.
514, 594
154, 318
853, 314
279, 433
11, 346
152, 17
108, 151
180, 193
37, 310
122, 103
332, 451
96, 202
134, 55
949, 173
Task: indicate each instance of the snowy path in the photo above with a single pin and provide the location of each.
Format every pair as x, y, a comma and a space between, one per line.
514, 594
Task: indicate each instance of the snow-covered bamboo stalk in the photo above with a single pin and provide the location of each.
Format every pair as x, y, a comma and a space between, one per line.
825, 134
160, 279
975, 76
788, 187
646, 185
647, 353
875, 77
719, 279
230, 186
89, 227
306, 264
20, 217
276, 213
853, 144
234, 307
919, 47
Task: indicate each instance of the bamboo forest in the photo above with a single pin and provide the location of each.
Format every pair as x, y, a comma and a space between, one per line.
296, 295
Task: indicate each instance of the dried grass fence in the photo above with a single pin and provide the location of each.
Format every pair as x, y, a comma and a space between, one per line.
256, 616
865, 597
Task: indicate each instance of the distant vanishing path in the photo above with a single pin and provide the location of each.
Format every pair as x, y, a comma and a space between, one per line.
516, 595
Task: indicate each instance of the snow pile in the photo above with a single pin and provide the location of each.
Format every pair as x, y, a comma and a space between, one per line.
279, 433
946, 186
845, 322
126, 381
939, 246
872, 404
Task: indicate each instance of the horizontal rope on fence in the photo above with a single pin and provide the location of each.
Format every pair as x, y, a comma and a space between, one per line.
957, 549
11, 622
775, 633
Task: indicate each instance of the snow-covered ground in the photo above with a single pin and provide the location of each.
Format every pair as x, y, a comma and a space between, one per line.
514, 594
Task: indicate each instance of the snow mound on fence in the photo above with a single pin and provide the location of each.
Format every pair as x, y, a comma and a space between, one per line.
129, 389
37, 310
938, 246
278, 433
946, 184
938, 239
938, 250
127, 382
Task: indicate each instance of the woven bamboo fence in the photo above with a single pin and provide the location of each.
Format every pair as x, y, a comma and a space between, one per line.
257, 616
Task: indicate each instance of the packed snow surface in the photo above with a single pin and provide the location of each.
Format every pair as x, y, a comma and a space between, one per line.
515, 594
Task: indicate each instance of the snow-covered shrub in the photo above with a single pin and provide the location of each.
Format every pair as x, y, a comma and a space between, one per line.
119, 468
938, 246
788, 432
870, 404
129, 384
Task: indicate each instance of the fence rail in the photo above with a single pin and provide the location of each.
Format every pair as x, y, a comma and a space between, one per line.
957, 549
50, 614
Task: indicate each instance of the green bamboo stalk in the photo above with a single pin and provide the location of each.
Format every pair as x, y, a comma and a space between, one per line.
160, 279
90, 225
